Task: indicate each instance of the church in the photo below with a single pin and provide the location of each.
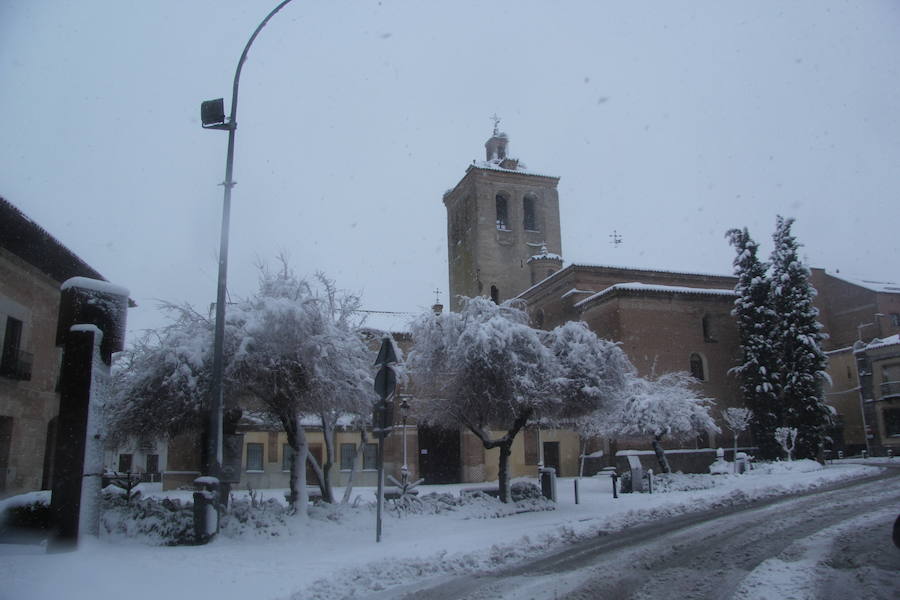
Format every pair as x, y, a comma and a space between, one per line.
504, 241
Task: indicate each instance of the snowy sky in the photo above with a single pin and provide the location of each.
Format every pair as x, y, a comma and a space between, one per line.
667, 122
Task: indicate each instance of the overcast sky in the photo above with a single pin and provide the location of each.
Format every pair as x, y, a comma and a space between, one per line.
667, 122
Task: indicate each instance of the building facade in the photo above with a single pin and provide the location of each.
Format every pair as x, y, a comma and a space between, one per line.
33, 265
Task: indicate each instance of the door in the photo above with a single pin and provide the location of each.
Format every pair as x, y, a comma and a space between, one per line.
551, 455
439, 455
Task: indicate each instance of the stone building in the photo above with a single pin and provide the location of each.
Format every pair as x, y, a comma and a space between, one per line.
33, 265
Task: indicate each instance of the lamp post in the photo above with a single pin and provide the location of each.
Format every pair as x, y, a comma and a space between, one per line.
212, 114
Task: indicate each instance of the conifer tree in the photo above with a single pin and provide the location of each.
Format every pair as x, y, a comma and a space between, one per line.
758, 371
796, 338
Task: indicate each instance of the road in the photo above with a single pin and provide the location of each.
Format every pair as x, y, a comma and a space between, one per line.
834, 542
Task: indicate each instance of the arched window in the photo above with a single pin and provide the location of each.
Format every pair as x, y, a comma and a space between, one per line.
502, 212
529, 214
697, 369
495, 294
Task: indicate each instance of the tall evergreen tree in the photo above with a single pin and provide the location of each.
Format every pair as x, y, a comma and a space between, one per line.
797, 337
758, 372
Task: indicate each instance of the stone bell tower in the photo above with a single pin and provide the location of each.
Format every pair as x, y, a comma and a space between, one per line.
501, 219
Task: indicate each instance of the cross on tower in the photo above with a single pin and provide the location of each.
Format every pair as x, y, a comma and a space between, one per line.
496, 121
437, 296
616, 238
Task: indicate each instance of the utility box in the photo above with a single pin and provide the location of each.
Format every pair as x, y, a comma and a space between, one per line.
548, 482
637, 473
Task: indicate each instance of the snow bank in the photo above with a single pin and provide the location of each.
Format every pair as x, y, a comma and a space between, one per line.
333, 554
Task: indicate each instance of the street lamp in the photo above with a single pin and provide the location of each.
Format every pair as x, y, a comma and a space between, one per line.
212, 113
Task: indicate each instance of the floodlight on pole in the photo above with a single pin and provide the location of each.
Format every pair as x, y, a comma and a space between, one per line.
212, 116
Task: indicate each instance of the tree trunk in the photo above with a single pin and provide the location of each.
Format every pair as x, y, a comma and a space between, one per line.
325, 484
661, 455
348, 488
298, 470
291, 431
505, 451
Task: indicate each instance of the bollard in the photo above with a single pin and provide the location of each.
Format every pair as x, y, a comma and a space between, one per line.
576, 490
650, 480
840, 455
615, 478
890, 453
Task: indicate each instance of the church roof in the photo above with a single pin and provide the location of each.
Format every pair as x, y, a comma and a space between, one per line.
886, 287
654, 289
495, 166
385, 321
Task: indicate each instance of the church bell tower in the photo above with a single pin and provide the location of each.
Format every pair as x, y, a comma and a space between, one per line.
502, 226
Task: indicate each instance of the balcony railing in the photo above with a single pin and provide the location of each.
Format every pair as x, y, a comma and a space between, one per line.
890, 388
17, 365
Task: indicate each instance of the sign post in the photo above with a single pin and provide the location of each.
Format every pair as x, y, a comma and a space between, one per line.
383, 414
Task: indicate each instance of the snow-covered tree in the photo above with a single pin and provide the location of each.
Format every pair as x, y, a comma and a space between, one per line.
595, 377
737, 420
667, 406
787, 439
796, 338
755, 316
484, 368
301, 357
292, 350
161, 382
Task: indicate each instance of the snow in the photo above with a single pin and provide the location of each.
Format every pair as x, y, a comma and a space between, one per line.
95, 285
335, 555
520, 168
799, 570
667, 289
386, 321
888, 287
879, 343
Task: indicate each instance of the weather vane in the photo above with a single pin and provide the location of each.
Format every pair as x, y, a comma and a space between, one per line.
496, 121
615, 238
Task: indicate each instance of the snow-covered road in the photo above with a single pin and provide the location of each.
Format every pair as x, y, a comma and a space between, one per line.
826, 544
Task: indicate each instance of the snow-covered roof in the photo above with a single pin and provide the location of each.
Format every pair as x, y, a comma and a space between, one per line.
574, 291
666, 289
888, 287
495, 166
648, 270
879, 343
545, 255
387, 321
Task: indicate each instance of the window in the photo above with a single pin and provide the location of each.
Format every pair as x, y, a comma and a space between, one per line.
529, 214
287, 454
891, 421
495, 294
254, 457
708, 329
539, 318
125, 463
14, 363
370, 457
152, 463
347, 451
895, 319
697, 369
502, 212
